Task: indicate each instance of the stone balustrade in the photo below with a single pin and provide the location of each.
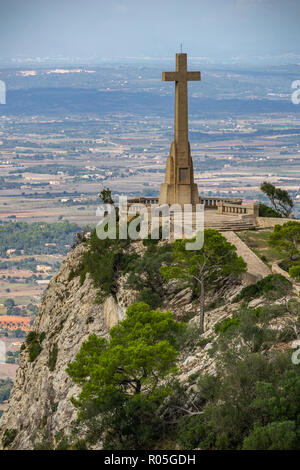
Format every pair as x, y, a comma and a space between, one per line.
223, 205
212, 202
209, 202
143, 200
227, 208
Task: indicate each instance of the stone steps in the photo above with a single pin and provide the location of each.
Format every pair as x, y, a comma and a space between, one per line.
229, 228
223, 223
234, 224
227, 223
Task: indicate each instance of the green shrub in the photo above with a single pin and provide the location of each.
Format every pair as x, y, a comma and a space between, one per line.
192, 378
145, 273
53, 357
215, 304
149, 297
204, 341
286, 335
42, 337
8, 437
247, 390
266, 211
72, 275
190, 431
33, 344
275, 436
80, 445
267, 312
272, 287
294, 271
286, 264
249, 329
222, 326
34, 350
32, 336
104, 261
54, 407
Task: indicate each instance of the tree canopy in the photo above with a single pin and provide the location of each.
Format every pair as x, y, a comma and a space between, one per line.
253, 400
120, 377
280, 199
205, 269
106, 196
286, 238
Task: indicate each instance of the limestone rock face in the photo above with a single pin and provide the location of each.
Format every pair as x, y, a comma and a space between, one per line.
40, 400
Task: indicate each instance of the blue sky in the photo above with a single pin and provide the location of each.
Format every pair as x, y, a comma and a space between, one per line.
216, 29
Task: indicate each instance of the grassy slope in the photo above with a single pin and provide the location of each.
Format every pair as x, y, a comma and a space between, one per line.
257, 240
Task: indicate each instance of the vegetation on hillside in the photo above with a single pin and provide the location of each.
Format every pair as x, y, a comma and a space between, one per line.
115, 259
35, 238
286, 238
266, 211
111, 256
252, 404
145, 275
125, 380
131, 396
272, 287
280, 245
206, 269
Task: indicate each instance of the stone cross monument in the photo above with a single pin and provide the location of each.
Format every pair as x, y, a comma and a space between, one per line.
179, 186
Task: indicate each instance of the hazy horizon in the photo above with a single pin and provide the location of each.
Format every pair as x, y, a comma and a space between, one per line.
211, 31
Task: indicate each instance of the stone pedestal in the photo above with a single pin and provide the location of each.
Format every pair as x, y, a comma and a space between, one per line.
179, 186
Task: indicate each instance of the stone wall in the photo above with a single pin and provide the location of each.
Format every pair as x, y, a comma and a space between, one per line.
270, 222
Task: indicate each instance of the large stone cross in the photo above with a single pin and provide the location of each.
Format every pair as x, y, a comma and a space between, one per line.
181, 77
179, 186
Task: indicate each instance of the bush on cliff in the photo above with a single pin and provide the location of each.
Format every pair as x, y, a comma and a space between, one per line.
255, 405
145, 273
104, 260
272, 287
33, 342
266, 211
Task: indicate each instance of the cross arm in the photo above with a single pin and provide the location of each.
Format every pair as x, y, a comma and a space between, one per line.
169, 76
180, 76
193, 76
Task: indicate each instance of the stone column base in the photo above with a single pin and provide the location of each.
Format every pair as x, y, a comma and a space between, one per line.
178, 194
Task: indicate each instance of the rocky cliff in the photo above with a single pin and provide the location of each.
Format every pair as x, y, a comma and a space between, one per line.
40, 400
39, 406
